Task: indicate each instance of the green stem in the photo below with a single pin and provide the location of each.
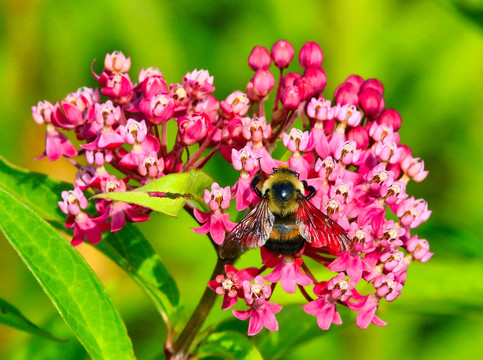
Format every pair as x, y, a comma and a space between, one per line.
181, 348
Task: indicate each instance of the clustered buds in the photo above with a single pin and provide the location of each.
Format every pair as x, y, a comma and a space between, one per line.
349, 151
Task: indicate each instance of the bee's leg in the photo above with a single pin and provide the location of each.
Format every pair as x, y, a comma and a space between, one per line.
309, 188
255, 182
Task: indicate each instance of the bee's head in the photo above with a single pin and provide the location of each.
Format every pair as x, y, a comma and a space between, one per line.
283, 192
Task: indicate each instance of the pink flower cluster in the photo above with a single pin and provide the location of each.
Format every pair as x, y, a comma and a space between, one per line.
125, 132
351, 154
349, 150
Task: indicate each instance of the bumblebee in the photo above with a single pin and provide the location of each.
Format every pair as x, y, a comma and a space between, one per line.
284, 219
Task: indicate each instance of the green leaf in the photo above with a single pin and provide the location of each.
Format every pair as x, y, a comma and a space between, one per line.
228, 345
40, 349
128, 248
38, 191
11, 316
67, 279
177, 189
132, 251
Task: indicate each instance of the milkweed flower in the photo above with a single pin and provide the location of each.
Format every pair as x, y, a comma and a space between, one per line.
349, 153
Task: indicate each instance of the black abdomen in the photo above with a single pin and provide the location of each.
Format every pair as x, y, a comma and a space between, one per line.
285, 238
285, 247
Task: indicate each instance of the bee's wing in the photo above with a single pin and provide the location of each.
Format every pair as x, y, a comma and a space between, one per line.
320, 230
252, 232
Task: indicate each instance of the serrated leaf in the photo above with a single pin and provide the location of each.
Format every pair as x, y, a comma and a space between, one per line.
11, 316
177, 189
67, 279
228, 345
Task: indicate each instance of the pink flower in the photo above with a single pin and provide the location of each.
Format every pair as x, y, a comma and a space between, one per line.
73, 201
158, 109
85, 228
118, 211
390, 118
117, 62
42, 112
298, 140
349, 114
288, 272
119, 88
215, 222
151, 166
412, 212
218, 198
231, 286
198, 84
347, 153
419, 249
367, 307
57, 145
320, 109
387, 287
152, 82
414, 168
255, 130
370, 101
193, 128
261, 312
134, 131
236, 104
325, 306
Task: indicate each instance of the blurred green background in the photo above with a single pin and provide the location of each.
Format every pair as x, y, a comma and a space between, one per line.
428, 54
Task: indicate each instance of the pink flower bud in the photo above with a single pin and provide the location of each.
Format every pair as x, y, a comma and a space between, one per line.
373, 84
158, 109
117, 62
370, 101
290, 78
119, 88
390, 117
305, 88
263, 82
198, 84
290, 97
406, 151
360, 136
259, 58
153, 84
42, 112
310, 55
193, 128
355, 80
317, 78
346, 95
282, 53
